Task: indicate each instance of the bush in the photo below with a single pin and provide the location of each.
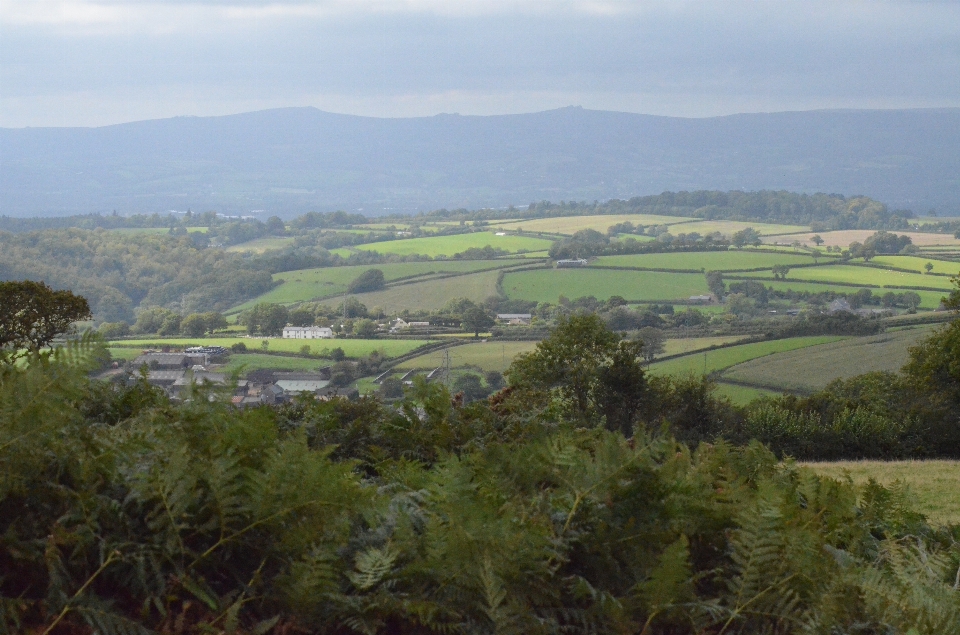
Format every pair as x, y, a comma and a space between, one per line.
369, 280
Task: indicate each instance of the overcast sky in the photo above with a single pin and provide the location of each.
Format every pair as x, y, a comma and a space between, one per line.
79, 62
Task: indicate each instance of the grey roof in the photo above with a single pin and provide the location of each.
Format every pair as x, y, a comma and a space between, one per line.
514, 316
291, 385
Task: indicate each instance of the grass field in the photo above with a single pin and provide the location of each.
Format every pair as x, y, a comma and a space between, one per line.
548, 285
932, 485
124, 354
708, 260
314, 284
729, 227
353, 348
742, 395
929, 299
256, 361
430, 294
916, 263
485, 355
843, 238
680, 346
811, 369
569, 225
450, 245
717, 360
864, 275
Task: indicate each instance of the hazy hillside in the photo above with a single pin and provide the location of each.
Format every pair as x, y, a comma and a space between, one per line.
292, 160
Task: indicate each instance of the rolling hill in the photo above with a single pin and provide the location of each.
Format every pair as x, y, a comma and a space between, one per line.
288, 161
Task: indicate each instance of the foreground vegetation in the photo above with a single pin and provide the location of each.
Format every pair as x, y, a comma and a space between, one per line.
124, 513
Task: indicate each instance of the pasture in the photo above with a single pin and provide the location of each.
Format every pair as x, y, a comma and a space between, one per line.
729, 227
742, 395
860, 275
690, 344
352, 348
931, 485
484, 355
916, 263
242, 362
811, 369
547, 285
730, 260
429, 294
315, 284
843, 238
569, 225
720, 359
929, 299
450, 245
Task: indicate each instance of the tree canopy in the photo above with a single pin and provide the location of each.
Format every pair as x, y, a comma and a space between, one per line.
32, 315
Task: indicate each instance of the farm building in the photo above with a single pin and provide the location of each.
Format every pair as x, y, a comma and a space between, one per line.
838, 305
703, 299
573, 262
515, 318
307, 333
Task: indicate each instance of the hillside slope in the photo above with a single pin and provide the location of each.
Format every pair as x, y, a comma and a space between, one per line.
292, 160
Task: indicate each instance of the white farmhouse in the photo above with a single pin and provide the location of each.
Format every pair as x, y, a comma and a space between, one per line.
307, 333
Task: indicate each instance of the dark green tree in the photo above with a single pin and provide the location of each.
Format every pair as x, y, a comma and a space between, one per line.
588, 369
476, 319
32, 315
369, 280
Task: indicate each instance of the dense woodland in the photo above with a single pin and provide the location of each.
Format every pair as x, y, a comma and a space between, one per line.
584, 497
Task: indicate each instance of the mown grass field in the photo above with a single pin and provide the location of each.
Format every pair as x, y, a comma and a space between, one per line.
720, 359
731, 260
352, 348
484, 355
679, 346
864, 275
843, 238
548, 285
314, 284
450, 245
260, 245
569, 225
742, 395
811, 369
257, 361
932, 485
929, 299
430, 294
729, 227
917, 264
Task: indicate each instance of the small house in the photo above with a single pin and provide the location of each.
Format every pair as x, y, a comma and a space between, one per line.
307, 333
839, 305
572, 262
515, 318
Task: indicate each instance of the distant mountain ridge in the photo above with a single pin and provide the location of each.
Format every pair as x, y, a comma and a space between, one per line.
288, 161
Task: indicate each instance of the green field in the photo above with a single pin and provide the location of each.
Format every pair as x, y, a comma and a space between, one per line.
728, 228
430, 294
123, 354
931, 485
929, 299
260, 245
256, 361
742, 395
916, 263
811, 369
864, 275
685, 345
484, 355
314, 284
720, 359
548, 285
353, 348
450, 245
569, 225
732, 260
